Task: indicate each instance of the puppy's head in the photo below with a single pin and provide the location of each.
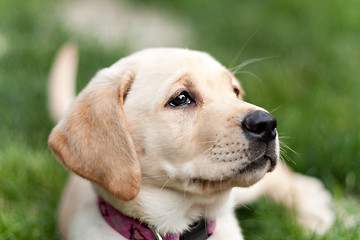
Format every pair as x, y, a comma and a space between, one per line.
175, 117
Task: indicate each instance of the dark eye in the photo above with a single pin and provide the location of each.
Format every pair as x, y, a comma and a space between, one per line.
182, 99
237, 91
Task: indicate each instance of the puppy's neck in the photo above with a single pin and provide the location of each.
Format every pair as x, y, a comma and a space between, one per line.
168, 211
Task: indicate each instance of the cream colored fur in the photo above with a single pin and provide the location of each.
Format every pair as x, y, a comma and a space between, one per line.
157, 163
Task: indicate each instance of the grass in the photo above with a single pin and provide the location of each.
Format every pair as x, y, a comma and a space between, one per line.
30, 183
312, 84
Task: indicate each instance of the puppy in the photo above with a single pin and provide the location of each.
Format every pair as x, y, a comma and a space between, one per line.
164, 147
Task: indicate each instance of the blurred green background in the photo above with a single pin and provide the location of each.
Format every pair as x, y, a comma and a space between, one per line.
311, 83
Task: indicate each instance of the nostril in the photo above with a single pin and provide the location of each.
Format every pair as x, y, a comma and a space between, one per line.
260, 124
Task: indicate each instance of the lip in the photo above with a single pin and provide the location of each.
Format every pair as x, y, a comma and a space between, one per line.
260, 163
273, 162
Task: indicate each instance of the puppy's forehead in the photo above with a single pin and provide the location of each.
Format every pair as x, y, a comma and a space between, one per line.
174, 60
166, 65
161, 70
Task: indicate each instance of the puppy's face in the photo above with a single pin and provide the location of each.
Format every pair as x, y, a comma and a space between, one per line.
191, 128
170, 118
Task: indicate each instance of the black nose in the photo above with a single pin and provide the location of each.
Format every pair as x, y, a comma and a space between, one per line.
261, 125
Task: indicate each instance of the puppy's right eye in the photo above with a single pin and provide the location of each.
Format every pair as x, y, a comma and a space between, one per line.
182, 99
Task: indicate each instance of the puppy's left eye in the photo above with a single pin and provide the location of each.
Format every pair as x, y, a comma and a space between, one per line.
237, 91
182, 99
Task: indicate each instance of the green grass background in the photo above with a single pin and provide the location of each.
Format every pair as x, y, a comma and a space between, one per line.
312, 85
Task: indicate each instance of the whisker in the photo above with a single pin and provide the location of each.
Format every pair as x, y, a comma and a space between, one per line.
207, 151
245, 206
284, 137
158, 176
252, 75
285, 156
282, 144
236, 69
242, 49
274, 110
249, 73
167, 181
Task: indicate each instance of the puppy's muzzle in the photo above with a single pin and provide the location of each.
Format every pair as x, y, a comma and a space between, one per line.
260, 125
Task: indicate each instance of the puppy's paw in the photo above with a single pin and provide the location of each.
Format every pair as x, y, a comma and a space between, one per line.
313, 203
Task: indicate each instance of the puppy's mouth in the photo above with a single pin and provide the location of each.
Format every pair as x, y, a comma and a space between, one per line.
239, 177
260, 163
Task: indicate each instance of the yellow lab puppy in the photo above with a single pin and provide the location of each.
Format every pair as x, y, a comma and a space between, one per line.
166, 147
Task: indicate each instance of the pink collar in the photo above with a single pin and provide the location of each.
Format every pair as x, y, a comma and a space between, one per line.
133, 229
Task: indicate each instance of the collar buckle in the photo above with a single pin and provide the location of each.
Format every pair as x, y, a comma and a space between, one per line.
156, 234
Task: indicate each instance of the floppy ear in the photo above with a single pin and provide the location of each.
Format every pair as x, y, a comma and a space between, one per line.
94, 141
